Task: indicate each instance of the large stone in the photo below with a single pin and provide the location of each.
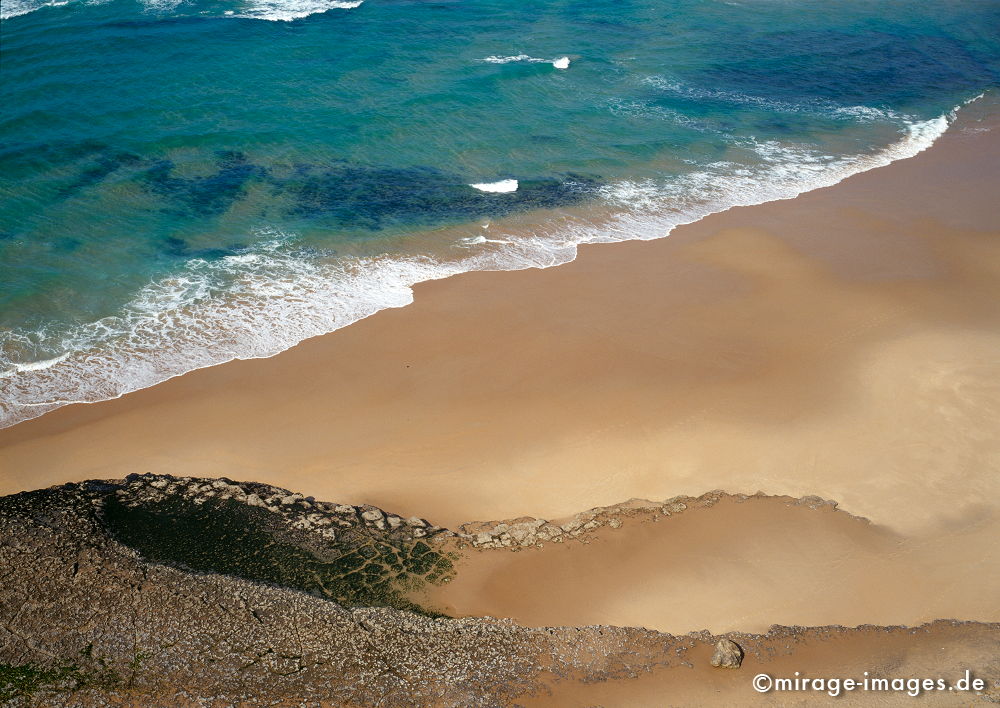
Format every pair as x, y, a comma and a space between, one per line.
728, 655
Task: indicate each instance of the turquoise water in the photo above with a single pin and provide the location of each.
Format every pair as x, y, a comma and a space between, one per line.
183, 183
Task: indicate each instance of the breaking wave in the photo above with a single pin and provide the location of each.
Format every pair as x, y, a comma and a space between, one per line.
273, 10
16, 8
261, 302
288, 10
496, 59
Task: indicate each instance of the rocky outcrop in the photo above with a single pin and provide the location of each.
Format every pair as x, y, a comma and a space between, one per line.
354, 555
293, 509
160, 591
528, 531
727, 655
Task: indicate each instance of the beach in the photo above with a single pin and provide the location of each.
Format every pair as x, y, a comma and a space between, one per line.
489, 354
729, 564
842, 344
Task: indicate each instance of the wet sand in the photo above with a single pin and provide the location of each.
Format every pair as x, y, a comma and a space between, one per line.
940, 650
737, 565
841, 344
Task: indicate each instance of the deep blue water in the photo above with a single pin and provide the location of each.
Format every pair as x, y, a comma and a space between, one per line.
184, 183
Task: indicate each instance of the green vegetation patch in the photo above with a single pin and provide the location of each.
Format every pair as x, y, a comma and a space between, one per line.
25, 680
359, 569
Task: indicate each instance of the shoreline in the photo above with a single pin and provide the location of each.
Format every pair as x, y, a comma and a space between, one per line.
735, 355
795, 563
839, 346
547, 231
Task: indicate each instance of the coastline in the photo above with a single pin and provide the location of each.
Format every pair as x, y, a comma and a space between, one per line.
326, 297
492, 376
231, 601
840, 344
490, 354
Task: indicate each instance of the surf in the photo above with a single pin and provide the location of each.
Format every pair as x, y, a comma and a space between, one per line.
275, 297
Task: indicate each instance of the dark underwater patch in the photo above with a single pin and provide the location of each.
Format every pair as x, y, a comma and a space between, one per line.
41, 156
104, 165
179, 248
67, 244
373, 198
204, 196
871, 68
155, 22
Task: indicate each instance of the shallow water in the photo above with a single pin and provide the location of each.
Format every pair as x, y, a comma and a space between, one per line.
183, 183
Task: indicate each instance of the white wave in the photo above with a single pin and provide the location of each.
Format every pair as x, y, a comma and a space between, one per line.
479, 240
161, 6
16, 8
288, 10
274, 10
496, 59
504, 185
814, 106
559, 63
34, 365
260, 303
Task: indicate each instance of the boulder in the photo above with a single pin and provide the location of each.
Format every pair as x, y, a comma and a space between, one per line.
728, 655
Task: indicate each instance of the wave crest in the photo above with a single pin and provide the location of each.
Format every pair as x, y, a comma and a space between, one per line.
288, 10
264, 301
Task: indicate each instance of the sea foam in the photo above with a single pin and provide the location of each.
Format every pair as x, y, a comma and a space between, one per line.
560, 63
260, 303
504, 185
273, 10
497, 59
16, 8
288, 10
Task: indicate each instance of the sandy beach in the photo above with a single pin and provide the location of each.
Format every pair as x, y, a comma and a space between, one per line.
842, 344
815, 653
738, 564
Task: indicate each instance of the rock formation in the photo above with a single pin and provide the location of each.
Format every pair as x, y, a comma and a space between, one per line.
162, 591
728, 655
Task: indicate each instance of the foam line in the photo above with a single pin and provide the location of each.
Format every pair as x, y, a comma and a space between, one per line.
275, 296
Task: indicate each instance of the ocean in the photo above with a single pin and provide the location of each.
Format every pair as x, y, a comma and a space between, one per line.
183, 183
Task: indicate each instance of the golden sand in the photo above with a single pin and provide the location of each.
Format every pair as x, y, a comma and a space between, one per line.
936, 651
842, 344
740, 565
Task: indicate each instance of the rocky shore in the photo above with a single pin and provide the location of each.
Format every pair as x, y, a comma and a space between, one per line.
166, 591
528, 531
